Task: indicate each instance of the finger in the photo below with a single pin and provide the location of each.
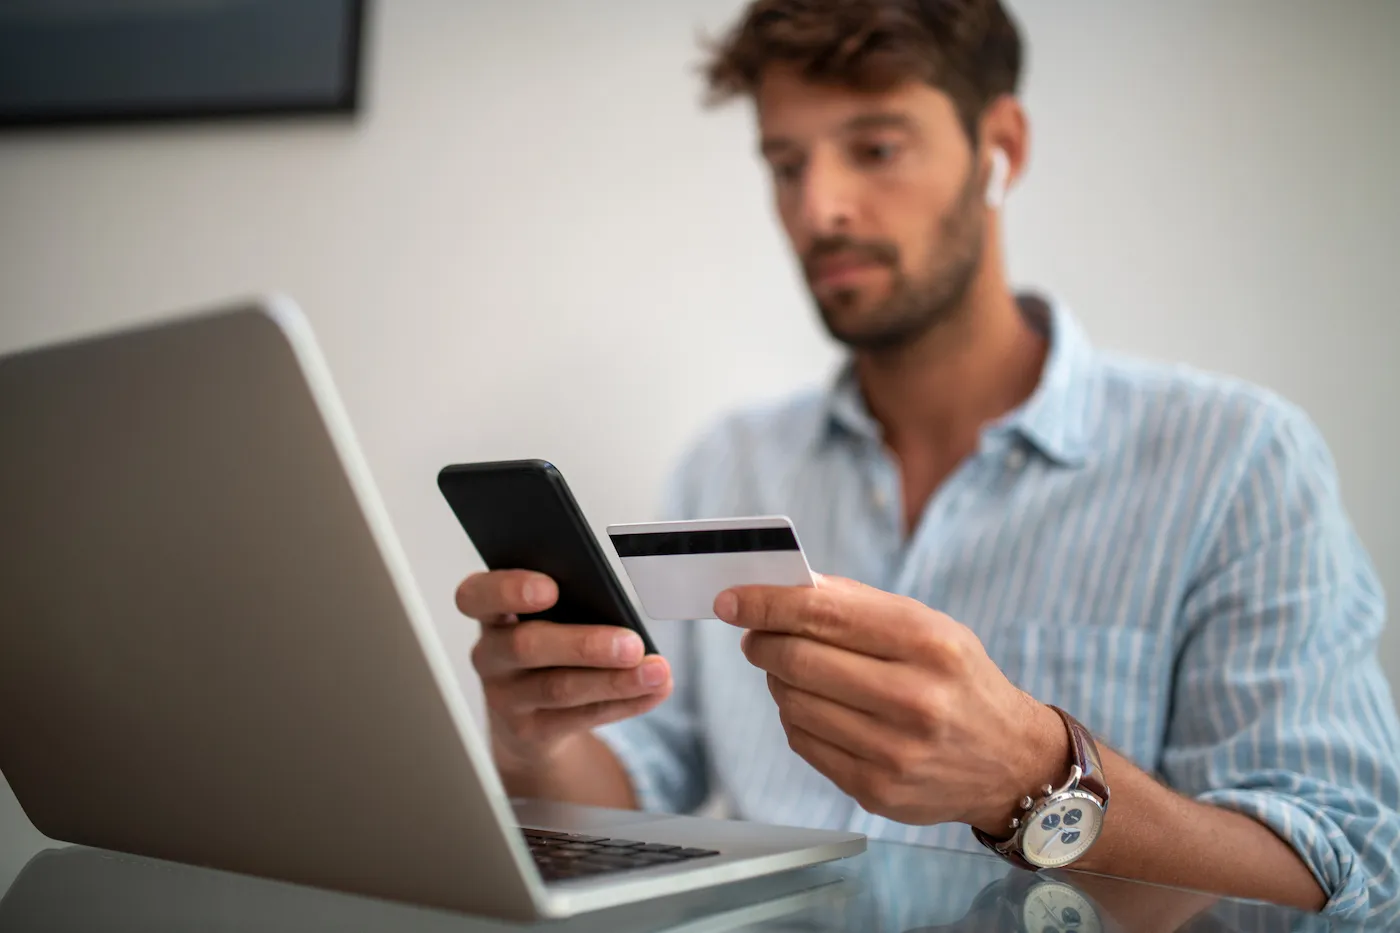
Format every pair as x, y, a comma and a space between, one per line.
837, 765
580, 719
570, 688
881, 688
860, 618
538, 643
491, 598
854, 731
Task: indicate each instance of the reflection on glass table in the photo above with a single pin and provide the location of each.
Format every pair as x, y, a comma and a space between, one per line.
891, 889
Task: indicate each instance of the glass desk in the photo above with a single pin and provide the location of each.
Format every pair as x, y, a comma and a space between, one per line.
891, 889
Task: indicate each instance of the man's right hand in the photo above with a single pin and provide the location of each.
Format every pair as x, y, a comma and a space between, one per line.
547, 685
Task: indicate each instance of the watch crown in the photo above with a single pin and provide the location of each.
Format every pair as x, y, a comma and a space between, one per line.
1049, 789
1027, 803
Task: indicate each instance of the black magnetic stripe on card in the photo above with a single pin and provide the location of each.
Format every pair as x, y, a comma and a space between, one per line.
733, 541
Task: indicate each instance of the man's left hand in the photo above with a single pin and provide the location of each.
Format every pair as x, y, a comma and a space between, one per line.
898, 704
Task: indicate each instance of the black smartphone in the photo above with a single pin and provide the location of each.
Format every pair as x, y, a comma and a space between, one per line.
520, 515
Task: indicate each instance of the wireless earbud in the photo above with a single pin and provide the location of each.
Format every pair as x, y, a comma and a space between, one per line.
997, 179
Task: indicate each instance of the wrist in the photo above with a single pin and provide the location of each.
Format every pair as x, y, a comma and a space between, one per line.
1039, 754
525, 768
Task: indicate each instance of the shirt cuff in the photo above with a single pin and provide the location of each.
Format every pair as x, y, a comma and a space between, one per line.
1317, 839
631, 751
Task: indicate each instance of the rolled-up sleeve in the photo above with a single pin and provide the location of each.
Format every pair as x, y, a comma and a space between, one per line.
663, 751
1280, 709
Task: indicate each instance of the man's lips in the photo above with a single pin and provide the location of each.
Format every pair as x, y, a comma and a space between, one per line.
840, 270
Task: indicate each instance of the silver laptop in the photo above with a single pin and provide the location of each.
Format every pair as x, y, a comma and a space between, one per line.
212, 650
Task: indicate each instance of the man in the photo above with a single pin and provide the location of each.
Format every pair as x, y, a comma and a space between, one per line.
1160, 553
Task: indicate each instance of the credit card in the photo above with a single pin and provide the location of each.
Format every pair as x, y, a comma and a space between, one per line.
678, 568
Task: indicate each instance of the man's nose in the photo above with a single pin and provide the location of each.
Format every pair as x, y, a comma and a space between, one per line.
828, 196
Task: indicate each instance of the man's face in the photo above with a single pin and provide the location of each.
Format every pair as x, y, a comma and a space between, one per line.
880, 197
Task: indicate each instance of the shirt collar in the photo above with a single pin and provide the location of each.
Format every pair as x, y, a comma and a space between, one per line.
1054, 420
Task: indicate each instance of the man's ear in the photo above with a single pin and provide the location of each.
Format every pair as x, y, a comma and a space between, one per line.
1005, 144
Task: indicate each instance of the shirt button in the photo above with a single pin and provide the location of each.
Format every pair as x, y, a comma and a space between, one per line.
879, 498
1016, 459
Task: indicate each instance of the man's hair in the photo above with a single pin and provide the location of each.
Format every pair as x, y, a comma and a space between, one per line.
969, 49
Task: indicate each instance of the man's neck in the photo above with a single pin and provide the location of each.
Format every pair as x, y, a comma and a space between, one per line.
958, 377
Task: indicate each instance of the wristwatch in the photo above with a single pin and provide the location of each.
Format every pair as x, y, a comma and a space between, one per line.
1057, 828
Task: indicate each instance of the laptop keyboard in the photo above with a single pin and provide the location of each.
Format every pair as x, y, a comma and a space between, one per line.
566, 855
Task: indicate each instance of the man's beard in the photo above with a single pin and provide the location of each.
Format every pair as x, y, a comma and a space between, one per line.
914, 306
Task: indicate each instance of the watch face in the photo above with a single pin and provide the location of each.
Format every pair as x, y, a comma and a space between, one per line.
1053, 907
1061, 829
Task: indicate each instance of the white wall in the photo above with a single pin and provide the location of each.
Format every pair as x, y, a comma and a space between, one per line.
534, 243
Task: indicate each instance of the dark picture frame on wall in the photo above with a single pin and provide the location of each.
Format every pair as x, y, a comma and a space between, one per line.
74, 62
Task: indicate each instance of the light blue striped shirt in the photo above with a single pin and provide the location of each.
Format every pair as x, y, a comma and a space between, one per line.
1161, 552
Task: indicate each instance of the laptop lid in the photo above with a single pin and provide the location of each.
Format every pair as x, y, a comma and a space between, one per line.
212, 650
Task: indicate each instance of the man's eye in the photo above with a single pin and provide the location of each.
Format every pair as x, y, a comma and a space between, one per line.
876, 153
787, 172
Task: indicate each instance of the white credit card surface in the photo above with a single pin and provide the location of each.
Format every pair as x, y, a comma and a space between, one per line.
678, 568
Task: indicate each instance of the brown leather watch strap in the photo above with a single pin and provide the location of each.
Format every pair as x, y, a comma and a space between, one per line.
1084, 751
1009, 852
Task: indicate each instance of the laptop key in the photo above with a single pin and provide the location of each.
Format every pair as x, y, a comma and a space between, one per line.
566, 855
587, 839
606, 861
696, 853
619, 843
657, 847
